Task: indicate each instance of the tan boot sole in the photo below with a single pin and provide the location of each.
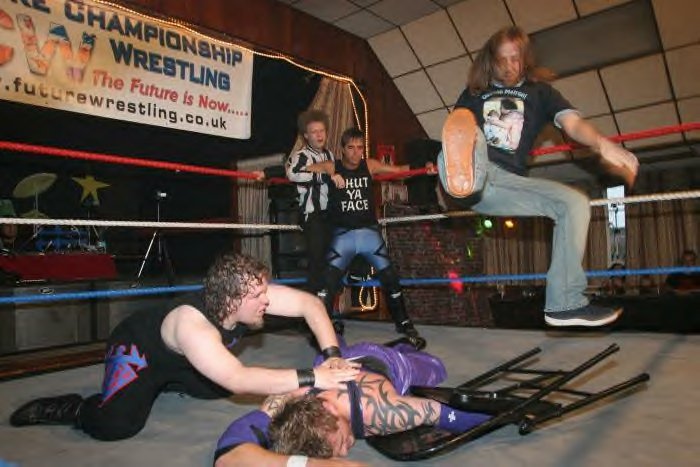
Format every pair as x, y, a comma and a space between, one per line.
458, 140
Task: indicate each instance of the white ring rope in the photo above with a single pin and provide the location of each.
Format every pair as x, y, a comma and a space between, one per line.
594, 202
157, 225
690, 194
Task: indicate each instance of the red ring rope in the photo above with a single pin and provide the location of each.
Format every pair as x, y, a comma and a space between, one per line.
664, 130
112, 159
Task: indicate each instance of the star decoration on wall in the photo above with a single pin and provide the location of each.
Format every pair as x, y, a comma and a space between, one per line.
90, 187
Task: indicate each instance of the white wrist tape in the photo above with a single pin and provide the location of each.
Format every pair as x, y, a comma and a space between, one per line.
297, 461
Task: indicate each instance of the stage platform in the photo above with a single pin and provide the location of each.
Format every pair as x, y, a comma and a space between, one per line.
654, 426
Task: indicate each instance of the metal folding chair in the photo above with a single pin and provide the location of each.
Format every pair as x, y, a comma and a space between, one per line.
526, 400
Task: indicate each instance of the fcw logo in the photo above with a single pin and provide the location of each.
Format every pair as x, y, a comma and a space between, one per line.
39, 56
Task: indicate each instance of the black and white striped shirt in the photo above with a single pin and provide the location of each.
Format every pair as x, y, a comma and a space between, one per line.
312, 188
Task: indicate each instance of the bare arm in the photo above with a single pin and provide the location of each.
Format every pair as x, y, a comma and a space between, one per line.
620, 161
376, 167
287, 301
325, 167
201, 344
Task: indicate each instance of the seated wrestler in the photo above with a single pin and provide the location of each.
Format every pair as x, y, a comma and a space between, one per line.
355, 229
325, 424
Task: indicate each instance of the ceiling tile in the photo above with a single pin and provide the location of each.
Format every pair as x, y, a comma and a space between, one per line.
327, 10
648, 118
690, 112
605, 125
585, 92
636, 82
401, 12
669, 170
534, 15
586, 7
450, 78
447, 2
476, 20
549, 136
684, 66
432, 122
678, 21
364, 3
433, 38
394, 52
364, 24
419, 93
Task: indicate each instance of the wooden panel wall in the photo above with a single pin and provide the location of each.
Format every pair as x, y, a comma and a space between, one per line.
274, 26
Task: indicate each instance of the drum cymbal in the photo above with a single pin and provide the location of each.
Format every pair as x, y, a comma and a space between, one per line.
33, 185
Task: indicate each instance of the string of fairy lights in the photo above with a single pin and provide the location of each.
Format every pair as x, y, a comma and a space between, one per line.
367, 298
352, 86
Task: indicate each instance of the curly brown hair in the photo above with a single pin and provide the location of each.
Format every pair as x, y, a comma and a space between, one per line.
483, 69
228, 280
302, 428
310, 116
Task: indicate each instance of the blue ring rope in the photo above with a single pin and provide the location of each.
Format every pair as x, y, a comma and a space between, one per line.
51, 297
531, 277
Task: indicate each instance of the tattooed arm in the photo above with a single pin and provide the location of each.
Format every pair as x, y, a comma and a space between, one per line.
385, 411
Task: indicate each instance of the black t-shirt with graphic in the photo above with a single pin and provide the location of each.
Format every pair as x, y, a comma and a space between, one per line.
512, 117
352, 207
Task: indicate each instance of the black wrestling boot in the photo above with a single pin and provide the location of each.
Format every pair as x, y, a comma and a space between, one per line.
411, 335
403, 323
60, 410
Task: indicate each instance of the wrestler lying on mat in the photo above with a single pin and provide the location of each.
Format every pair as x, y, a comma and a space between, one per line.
325, 424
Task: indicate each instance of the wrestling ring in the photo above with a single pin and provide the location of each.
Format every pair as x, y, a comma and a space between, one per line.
589, 437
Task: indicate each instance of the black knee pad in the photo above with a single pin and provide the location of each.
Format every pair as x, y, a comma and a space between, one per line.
332, 282
390, 281
333, 279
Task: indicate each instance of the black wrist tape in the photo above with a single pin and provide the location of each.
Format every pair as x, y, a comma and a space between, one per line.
306, 377
330, 352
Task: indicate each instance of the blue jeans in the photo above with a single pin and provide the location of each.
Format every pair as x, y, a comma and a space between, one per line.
506, 194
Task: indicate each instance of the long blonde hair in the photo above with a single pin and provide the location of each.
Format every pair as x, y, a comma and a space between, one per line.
483, 69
